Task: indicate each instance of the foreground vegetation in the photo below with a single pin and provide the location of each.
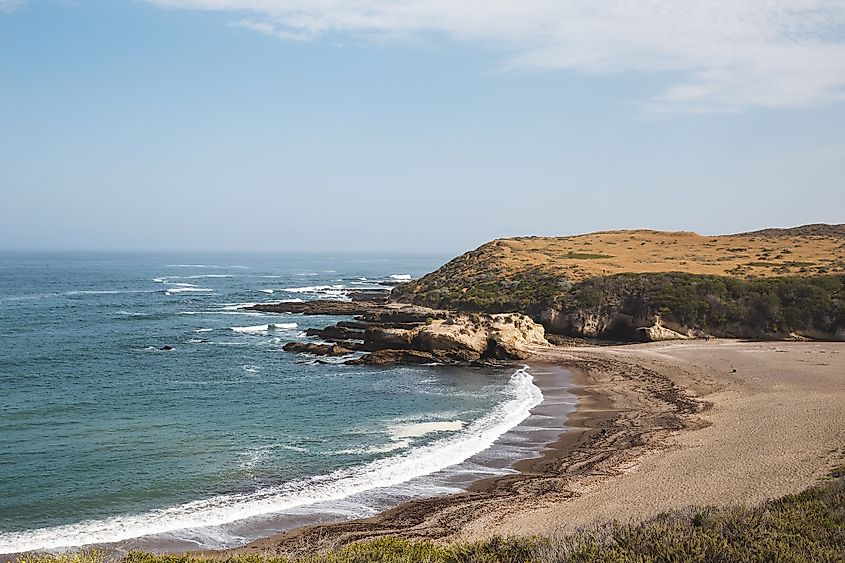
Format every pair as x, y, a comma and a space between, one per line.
807, 527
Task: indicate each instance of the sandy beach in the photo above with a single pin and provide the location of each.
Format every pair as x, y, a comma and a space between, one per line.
658, 426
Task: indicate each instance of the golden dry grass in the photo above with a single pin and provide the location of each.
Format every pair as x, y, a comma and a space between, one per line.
639, 251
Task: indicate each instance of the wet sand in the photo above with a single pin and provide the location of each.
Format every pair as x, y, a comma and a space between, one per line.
658, 426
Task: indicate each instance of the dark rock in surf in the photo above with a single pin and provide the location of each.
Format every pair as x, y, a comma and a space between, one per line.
391, 357
316, 349
335, 332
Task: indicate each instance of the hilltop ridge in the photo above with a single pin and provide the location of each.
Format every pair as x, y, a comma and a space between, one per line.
812, 230
772, 283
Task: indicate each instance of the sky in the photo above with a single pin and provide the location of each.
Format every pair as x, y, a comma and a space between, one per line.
420, 126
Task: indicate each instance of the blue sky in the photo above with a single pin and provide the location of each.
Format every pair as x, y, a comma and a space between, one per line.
421, 126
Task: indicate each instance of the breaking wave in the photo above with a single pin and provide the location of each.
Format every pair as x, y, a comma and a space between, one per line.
258, 329
459, 445
178, 290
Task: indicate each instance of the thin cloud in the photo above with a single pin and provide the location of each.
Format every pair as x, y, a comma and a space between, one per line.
9, 6
719, 55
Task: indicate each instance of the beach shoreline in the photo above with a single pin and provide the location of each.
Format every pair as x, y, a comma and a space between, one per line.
656, 427
527, 439
647, 415
590, 443
536, 439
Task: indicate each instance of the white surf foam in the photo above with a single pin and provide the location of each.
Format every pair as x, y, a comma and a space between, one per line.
224, 509
204, 330
316, 289
213, 266
267, 291
257, 329
417, 429
256, 456
235, 313
293, 448
401, 277
236, 306
108, 291
326, 360
380, 449
165, 279
250, 329
401, 435
178, 290
132, 314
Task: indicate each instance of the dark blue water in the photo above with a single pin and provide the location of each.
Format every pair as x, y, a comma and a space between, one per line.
104, 436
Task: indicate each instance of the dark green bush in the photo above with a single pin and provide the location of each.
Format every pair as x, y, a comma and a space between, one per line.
760, 307
720, 305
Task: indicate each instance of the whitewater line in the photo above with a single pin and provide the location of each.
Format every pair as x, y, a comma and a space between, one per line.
224, 509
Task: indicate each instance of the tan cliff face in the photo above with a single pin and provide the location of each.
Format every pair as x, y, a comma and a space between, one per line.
465, 337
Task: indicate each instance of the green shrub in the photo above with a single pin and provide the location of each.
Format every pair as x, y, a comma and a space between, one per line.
721, 305
761, 307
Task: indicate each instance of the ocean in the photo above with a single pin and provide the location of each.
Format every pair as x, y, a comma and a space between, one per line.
107, 438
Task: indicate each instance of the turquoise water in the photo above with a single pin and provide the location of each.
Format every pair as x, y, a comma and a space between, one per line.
105, 437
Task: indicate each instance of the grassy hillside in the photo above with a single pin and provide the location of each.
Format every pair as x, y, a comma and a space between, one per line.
764, 284
804, 528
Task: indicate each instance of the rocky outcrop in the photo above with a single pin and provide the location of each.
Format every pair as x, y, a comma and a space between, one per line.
403, 314
356, 345
370, 295
321, 307
512, 336
389, 357
462, 338
379, 338
316, 349
354, 325
335, 332
364, 325
452, 337
371, 312
411, 334
657, 333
